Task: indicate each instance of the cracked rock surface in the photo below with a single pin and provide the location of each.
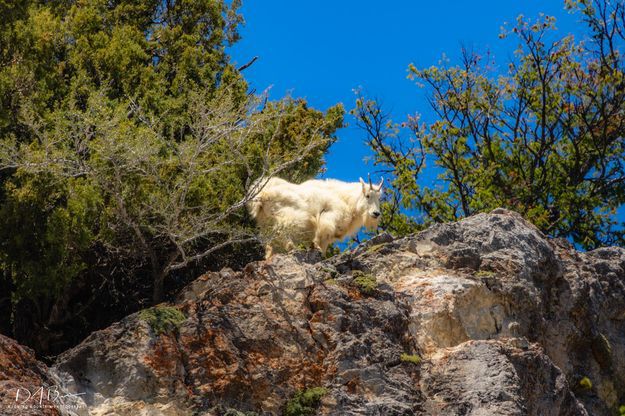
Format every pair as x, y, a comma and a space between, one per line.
485, 316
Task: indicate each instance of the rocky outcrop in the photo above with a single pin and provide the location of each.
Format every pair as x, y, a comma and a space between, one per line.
481, 317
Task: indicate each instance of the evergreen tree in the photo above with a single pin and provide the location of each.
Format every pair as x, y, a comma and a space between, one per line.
128, 142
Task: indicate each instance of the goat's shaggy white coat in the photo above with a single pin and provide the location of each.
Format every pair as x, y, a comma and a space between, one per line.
316, 211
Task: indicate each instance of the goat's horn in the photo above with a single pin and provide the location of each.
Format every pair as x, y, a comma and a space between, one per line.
381, 183
369, 177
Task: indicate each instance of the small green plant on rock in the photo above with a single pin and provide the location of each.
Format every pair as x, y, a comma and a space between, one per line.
375, 248
162, 319
410, 358
366, 283
585, 383
305, 403
484, 273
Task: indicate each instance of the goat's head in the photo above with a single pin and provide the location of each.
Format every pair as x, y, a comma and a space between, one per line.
370, 202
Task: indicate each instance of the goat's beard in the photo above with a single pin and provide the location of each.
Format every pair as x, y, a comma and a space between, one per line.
371, 223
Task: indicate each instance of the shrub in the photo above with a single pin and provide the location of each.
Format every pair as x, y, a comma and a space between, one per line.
366, 283
162, 319
305, 402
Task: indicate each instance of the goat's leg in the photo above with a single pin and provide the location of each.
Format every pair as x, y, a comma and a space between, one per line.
326, 227
316, 244
323, 246
320, 241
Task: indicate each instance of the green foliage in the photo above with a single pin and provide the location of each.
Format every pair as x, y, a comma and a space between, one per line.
162, 319
621, 410
151, 189
304, 403
156, 52
291, 133
44, 225
546, 139
124, 125
366, 283
585, 383
410, 358
485, 273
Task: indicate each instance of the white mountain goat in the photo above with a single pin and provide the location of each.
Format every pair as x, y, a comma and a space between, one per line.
316, 211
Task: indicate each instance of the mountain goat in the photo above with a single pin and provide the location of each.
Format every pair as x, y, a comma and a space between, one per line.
316, 211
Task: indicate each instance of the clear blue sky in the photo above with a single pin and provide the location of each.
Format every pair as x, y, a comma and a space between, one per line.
322, 50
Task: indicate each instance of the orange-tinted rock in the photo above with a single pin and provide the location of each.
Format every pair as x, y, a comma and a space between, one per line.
26, 387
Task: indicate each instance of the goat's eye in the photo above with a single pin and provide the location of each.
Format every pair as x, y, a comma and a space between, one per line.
367, 196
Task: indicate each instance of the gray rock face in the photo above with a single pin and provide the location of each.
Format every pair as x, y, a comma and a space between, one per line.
481, 317
497, 378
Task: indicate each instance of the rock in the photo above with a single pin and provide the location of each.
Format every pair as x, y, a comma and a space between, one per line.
485, 316
251, 340
27, 387
496, 378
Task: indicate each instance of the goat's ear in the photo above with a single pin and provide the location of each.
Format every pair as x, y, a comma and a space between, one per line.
364, 185
379, 186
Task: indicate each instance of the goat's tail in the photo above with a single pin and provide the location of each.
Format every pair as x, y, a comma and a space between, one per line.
255, 206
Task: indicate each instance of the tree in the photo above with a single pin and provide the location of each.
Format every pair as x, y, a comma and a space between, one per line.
128, 142
158, 52
120, 182
546, 139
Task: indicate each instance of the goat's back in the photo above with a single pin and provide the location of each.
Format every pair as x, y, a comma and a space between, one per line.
312, 196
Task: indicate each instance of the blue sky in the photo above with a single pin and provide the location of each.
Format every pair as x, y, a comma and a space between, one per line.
323, 50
